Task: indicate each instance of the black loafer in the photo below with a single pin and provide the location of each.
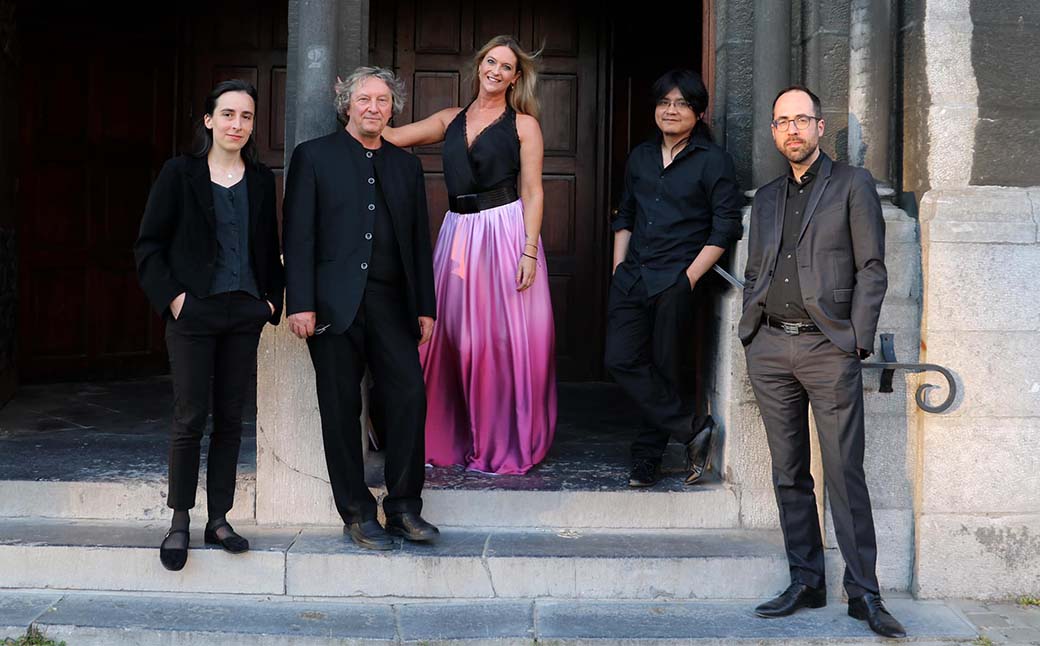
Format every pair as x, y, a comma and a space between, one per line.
233, 543
700, 449
793, 599
370, 535
645, 473
173, 558
871, 609
411, 526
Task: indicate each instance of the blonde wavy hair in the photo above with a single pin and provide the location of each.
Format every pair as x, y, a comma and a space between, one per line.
521, 96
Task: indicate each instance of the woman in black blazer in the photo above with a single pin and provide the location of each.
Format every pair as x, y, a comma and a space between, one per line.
207, 257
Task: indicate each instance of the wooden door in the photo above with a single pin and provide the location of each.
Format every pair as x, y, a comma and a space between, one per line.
430, 43
106, 99
97, 96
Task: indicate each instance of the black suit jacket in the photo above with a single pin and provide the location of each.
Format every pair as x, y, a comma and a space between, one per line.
176, 249
841, 255
326, 222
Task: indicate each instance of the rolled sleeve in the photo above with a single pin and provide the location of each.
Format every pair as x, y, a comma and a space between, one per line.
726, 205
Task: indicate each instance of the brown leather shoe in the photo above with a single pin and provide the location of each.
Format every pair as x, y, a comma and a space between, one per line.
370, 535
411, 526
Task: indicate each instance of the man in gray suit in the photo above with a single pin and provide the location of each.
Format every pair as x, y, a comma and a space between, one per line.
814, 284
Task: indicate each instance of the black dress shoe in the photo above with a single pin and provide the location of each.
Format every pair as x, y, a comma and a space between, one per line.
412, 526
700, 449
794, 598
370, 535
645, 472
232, 542
871, 608
173, 558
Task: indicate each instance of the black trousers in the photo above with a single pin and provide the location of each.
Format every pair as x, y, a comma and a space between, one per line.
212, 348
380, 337
787, 373
646, 336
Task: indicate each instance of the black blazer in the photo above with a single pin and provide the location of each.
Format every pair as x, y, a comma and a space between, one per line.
841, 255
325, 226
177, 246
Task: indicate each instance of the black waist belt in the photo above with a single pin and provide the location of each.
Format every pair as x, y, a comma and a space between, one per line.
789, 327
473, 202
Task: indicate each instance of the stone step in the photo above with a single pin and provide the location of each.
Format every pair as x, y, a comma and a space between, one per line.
104, 620
667, 506
463, 563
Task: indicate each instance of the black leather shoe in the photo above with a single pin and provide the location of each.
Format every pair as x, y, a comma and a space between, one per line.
700, 449
411, 525
871, 609
370, 535
645, 472
232, 543
793, 599
173, 558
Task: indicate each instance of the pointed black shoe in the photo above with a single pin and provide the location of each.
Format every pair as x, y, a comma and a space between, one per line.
700, 449
173, 558
233, 543
871, 609
793, 599
645, 472
370, 535
411, 525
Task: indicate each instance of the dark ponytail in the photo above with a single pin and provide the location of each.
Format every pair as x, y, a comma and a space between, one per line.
692, 88
204, 136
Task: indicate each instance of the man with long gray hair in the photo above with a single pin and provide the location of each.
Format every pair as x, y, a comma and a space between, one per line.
359, 272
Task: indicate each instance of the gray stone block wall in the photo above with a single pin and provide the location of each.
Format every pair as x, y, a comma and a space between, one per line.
978, 488
1005, 37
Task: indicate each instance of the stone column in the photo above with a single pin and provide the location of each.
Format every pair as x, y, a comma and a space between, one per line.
772, 63
326, 38
870, 85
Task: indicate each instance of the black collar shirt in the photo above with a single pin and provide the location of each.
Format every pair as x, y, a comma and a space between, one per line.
384, 267
675, 211
784, 299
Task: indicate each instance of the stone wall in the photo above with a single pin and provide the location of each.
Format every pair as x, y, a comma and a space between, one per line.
979, 494
1005, 37
977, 488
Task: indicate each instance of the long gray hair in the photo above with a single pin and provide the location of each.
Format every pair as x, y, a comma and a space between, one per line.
345, 88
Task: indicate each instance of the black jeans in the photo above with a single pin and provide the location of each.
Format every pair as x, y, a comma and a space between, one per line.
212, 347
644, 353
381, 338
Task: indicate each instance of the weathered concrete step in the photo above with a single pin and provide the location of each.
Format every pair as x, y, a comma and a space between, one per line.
463, 563
104, 620
702, 507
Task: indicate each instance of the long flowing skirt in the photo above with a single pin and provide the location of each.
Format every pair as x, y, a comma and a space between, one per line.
489, 368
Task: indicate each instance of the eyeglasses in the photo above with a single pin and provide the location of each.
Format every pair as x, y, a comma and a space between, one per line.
801, 122
678, 104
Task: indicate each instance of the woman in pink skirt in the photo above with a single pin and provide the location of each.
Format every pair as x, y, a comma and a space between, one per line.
489, 368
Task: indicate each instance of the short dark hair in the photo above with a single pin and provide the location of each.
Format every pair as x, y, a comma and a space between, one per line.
204, 136
692, 88
816, 105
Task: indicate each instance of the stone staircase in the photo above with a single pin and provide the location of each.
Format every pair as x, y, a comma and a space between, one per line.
566, 556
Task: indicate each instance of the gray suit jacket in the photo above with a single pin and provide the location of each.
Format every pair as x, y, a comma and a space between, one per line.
841, 255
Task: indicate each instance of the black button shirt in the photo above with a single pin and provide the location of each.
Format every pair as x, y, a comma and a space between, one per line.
674, 212
784, 299
384, 266
233, 270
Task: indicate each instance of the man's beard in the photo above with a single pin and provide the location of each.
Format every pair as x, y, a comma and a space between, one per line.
796, 157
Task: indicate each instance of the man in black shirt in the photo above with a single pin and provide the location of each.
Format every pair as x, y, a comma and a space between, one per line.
679, 212
814, 283
359, 271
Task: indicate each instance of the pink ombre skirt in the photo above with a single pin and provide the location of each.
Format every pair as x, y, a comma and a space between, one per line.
489, 368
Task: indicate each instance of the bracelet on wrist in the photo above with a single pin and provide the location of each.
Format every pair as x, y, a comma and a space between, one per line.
529, 256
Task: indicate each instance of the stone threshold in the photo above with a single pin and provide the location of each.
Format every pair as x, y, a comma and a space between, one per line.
85, 619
